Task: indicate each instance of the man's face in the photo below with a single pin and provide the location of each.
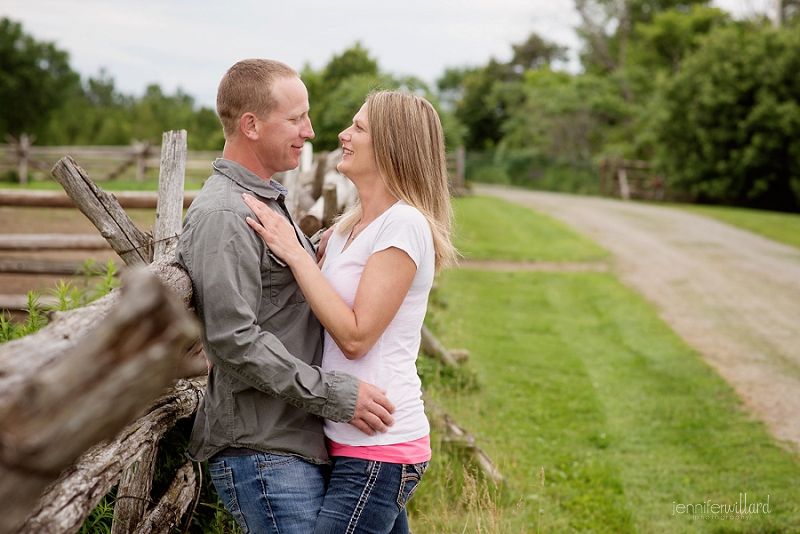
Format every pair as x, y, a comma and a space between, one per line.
283, 133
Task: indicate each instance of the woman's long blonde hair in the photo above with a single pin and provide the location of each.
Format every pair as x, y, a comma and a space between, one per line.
408, 142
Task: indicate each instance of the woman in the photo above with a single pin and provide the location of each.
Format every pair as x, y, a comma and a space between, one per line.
371, 296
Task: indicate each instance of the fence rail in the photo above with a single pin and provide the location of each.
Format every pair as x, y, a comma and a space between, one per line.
103, 163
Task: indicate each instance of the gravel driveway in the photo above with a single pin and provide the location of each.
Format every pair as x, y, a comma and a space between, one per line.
732, 295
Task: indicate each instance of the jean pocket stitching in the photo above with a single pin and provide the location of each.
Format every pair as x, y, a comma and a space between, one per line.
224, 477
411, 478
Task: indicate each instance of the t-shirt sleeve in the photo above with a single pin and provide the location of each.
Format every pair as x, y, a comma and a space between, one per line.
407, 229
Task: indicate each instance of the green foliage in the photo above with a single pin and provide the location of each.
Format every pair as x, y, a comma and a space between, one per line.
781, 227
730, 131
481, 107
66, 297
99, 521
35, 80
96, 114
608, 27
338, 91
566, 116
672, 35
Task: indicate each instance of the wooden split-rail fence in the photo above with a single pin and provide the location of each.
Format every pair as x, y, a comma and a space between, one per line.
103, 163
85, 400
630, 179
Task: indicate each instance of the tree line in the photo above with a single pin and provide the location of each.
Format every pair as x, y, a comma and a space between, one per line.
711, 102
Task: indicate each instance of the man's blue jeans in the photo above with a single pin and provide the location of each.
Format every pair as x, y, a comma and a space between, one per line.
368, 497
268, 493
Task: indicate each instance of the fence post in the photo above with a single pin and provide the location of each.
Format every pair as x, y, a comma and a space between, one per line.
169, 210
142, 150
460, 157
330, 206
22, 152
624, 188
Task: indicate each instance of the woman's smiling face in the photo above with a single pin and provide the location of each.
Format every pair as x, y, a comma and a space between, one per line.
358, 157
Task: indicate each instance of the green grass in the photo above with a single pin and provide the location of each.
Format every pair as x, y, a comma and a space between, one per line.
488, 228
193, 181
577, 375
781, 227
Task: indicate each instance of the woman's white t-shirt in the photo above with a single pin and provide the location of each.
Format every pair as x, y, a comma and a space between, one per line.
391, 363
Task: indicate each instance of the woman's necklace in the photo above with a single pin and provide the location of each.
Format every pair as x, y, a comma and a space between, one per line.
354, 232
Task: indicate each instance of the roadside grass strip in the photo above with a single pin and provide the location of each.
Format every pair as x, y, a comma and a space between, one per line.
781, 227
576, 374
489, 228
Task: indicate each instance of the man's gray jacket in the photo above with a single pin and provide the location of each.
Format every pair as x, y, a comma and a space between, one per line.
265, 390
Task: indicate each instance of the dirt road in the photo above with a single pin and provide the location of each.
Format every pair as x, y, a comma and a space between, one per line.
732, 295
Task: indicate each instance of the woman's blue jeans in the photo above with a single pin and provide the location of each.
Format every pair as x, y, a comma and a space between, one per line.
368, 497
269, 493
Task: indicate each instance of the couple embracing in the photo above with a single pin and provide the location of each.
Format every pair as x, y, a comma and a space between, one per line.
313, 420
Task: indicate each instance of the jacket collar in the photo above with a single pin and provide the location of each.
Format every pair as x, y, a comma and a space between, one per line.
249, 180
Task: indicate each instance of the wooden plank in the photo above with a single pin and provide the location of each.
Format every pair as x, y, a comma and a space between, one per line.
53, 267
169, 210
133, 246
52, 242
59, 199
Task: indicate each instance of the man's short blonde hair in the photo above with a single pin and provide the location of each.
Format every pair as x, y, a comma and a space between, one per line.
247, 87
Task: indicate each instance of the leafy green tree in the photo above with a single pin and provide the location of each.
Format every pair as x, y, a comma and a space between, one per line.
338, 91
607, 26
97, 114
565, 116
483, 97
730, 127
324, 92
35, 79
670, 36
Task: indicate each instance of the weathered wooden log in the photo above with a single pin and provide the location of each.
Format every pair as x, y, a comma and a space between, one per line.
133, 246
432, 347
22, 359
59, 199
169, 212
54, 415
52, 242
53, 267
319, 174
459, 437
330, 206
133, 490
65, 505
167, 513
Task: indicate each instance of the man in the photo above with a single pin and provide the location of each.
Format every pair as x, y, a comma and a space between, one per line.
259, 424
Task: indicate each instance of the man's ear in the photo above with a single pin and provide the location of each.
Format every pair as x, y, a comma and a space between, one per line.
248, 126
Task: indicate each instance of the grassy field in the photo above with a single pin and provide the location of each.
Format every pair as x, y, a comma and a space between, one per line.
489, 228
782, 227
575, 376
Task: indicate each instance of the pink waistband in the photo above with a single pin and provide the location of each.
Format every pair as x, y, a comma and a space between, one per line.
410, 452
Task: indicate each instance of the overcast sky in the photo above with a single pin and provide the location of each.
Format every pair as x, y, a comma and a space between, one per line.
189, 44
